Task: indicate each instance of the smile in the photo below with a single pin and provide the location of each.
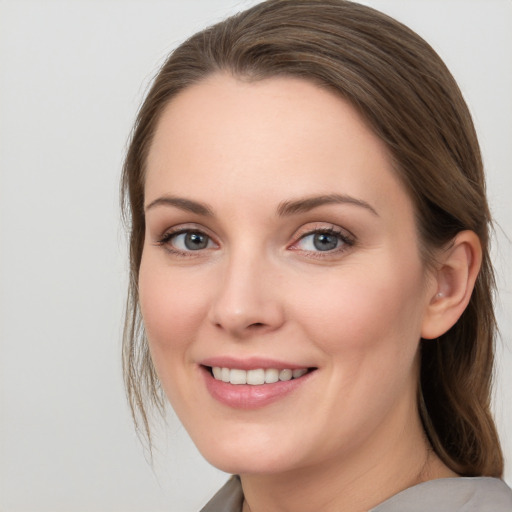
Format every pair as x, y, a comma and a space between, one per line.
256, 377
253, 387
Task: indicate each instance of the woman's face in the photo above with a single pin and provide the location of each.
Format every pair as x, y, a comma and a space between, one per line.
279, 243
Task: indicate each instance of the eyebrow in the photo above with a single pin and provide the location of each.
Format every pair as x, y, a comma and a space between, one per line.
183, 204
285, 208
309, 203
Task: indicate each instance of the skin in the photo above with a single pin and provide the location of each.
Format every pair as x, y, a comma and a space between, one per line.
260, 288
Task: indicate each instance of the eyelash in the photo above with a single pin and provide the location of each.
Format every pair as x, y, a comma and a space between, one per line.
346, 240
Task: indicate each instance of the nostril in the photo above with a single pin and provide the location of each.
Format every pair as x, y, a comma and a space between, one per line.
257, 324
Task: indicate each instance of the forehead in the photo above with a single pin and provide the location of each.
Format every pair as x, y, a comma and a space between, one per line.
270, 138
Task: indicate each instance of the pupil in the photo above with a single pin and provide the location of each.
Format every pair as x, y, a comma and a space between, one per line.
325, 241
195, 241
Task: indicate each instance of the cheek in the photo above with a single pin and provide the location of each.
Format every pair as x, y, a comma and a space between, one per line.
365, 308
172, 306
367, 323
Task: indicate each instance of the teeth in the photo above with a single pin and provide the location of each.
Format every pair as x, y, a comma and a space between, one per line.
271, 375
256, 377
237, 376
285, 375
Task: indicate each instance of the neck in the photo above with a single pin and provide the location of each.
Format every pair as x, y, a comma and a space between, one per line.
352, 482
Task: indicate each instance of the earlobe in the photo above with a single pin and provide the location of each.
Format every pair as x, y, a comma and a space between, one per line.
454, 280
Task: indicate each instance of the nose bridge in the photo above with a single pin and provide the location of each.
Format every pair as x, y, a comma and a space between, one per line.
247, 299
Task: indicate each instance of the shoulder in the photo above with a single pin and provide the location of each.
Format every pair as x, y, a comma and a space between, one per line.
443, 495
228, 499
452, 495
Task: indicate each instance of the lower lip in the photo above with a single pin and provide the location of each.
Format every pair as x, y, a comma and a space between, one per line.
246, 396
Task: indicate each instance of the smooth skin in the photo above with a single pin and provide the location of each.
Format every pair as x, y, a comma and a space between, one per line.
240, 261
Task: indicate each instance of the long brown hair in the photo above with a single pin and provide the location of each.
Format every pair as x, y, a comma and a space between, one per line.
409, 98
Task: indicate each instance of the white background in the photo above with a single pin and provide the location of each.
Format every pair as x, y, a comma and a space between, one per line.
72, 74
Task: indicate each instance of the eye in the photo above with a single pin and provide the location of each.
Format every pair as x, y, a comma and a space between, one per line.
191, 241
187, 241
323, 240
320, 242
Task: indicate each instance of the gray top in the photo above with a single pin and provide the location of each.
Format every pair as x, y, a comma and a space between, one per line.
443, 495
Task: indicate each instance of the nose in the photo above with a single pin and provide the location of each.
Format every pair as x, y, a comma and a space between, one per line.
247, 301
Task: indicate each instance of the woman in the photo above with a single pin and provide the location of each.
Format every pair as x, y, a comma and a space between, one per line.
310, 277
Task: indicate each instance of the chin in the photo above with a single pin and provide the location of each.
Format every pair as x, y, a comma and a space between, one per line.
245, 456
245, 465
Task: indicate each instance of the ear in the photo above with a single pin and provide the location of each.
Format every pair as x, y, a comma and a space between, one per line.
454, 279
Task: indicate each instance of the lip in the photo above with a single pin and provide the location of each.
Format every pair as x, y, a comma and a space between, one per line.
246, 396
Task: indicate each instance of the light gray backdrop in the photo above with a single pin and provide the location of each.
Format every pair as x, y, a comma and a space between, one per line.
72, 73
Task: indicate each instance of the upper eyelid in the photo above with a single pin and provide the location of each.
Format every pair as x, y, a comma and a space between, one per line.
186, 227
323, 228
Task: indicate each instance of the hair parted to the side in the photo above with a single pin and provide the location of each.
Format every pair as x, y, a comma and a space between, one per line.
408, 97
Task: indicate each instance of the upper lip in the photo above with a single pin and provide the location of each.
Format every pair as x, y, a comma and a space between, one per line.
251, 363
